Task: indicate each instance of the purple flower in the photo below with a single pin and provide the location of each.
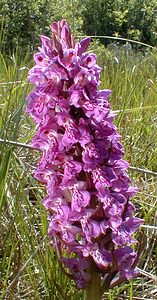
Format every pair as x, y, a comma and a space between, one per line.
82, 166
71, 135
102, 258
91, 157
80, 199
90, 228
123, 234
71, 168
78, 268
125, 259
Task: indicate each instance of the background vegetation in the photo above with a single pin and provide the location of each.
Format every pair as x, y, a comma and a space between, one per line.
23, 21
29, 268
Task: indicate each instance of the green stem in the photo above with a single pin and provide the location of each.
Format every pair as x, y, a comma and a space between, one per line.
93, 291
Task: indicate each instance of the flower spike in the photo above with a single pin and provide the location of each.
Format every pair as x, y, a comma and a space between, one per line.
82, 166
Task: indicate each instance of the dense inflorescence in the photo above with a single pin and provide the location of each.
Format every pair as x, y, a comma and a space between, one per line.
88, 188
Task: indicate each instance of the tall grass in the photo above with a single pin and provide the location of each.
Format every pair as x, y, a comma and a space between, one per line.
29, 268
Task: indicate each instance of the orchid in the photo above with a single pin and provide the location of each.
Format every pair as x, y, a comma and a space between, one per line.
88, 187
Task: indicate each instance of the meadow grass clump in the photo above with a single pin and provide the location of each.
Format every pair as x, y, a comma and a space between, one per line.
29, 269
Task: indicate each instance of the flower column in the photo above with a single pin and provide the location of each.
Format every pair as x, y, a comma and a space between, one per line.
91, 218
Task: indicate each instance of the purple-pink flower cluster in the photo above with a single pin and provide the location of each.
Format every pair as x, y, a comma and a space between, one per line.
88, 188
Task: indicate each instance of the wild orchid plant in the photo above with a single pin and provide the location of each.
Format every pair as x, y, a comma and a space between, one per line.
91, 220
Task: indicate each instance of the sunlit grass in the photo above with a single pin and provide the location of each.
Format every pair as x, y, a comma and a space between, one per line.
29, 268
